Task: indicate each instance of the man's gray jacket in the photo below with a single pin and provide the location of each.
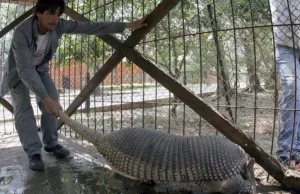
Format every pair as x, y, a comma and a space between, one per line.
19, 66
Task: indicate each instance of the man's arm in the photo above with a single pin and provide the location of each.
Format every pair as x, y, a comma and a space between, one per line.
51, 106
137, 24
98, 28
28, 74
26, 70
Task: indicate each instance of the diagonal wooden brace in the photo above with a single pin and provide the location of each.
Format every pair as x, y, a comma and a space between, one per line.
16, 22
153, 18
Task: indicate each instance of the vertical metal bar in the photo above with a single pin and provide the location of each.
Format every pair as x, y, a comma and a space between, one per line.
170, 68
122, 73
38, 120
200, 55
69, 73
81, 78
55, 76
218, 70
144, 76
96, 63
255, 68
295, 67
156, 85
1, 4
2, 62
61, 83
80, 84
72, 64
275, 89
7, 13
112, 82
103, 83
132, 72
184, 62
235, 59
7, 16
4, 38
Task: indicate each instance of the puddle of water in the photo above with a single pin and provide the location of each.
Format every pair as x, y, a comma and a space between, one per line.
12, 179
72, 177
98, 181
6, 180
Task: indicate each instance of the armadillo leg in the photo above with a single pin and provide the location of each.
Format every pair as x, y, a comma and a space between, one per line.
126, 185
123, 184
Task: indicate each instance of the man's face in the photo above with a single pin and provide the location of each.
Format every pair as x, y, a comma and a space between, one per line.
48, 20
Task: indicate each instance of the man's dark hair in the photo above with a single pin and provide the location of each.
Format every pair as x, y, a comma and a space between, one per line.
51, 5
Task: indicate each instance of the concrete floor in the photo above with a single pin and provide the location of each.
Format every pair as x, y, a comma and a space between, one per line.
84, 172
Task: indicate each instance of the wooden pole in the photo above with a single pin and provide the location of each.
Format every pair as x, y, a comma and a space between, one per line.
153, 18
16, 22
7, 105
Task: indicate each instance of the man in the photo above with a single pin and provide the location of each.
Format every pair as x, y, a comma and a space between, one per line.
33, 45
286, 20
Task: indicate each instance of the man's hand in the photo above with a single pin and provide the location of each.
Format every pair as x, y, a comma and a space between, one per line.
137, 24
51, 106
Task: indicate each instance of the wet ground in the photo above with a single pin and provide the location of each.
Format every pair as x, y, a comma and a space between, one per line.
84, 172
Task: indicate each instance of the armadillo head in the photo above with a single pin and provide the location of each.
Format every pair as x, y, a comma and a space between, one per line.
243, 183
248, 186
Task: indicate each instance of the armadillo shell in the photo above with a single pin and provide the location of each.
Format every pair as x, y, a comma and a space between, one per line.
152, 155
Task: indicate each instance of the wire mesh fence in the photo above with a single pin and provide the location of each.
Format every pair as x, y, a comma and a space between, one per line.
223, 51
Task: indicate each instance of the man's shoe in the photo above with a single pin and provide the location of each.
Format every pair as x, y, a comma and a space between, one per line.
284, 160
36, 163
58, 151
296, 157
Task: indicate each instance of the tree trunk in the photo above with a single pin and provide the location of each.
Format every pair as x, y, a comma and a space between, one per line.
225, 89
253, 80
176, 75
270, 81
175, 100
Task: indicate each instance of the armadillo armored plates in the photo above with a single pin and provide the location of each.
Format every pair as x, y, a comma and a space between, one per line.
214, 163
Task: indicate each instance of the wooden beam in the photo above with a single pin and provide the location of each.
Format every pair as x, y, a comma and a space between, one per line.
116, 107
7, 105
214, 117
25, 2
135, 105
20, 2
16, 22
153, 18
127, 106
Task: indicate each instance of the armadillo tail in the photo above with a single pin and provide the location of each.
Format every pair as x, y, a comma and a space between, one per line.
85, 132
